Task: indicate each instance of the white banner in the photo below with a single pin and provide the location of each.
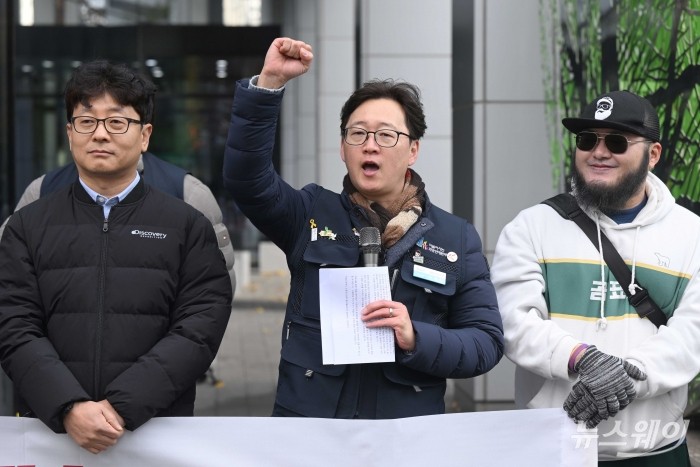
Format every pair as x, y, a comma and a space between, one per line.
544, 437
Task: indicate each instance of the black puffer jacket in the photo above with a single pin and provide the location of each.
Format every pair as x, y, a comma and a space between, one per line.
131, 310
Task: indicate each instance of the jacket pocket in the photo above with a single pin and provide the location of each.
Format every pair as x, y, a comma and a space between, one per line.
407, 377
432, 299
318, 254
332, 253
307, 386
410, 393
303, 348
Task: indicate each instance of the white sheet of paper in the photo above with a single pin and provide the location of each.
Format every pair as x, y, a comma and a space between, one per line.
343, 292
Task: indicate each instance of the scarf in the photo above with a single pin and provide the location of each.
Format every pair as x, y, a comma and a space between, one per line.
394, 220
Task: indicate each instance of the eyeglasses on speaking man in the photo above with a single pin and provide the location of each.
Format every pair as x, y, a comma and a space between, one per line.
385, 137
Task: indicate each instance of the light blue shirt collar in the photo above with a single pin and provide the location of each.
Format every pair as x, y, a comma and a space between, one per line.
105, 202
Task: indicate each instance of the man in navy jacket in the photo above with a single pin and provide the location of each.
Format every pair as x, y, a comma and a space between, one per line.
443, 309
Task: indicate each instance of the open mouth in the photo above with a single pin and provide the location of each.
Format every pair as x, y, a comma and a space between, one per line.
370, 168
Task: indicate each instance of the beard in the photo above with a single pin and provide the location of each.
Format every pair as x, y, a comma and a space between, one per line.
609, 197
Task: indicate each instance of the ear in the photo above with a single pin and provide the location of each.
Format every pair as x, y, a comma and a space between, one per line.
146, 132
69, 134
342, 150
413, 152
654, 154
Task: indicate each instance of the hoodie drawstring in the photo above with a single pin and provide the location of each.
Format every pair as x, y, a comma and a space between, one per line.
632, 285
602, 322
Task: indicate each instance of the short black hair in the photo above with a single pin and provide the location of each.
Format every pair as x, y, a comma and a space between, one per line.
126, 86
407, 95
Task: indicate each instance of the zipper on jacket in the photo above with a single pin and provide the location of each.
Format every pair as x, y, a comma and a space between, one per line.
100, 308
359, 394
302, 327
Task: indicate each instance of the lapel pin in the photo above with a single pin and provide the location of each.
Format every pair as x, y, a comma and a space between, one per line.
326, 232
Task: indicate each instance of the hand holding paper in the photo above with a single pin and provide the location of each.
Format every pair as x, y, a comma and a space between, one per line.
387, 313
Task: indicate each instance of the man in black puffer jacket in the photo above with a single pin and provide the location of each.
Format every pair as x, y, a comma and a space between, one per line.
114, 296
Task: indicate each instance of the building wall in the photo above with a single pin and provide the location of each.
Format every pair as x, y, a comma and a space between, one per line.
512, 168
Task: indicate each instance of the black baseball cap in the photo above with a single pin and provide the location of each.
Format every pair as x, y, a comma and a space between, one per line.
619, 110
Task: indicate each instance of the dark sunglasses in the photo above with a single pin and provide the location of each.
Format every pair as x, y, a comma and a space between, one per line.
616, 143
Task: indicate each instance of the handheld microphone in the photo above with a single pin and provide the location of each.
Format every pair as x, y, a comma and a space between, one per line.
371, 245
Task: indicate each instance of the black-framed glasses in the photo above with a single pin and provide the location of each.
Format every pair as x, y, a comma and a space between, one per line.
616, 143
113, 125
384, 137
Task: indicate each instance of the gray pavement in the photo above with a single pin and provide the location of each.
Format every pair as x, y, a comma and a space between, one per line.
246, 365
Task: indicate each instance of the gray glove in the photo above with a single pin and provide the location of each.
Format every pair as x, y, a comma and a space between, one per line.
604, 387
580, 405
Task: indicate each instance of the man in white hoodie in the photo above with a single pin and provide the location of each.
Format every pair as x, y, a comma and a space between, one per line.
569, 327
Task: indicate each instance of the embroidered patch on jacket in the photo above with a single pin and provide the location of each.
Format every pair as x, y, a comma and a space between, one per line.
326, 232
147, 234
434, 249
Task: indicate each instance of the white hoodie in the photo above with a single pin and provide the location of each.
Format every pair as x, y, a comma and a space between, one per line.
554, 291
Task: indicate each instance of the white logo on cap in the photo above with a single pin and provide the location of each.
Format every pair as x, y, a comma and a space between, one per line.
604, 108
